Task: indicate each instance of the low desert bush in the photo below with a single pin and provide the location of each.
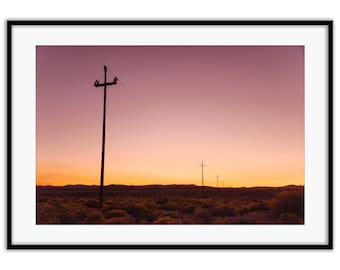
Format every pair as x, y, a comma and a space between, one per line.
223, 210
253, 207
290, 218
80, 215
95, 218
167, 220
162, 200
41, 200
202, 215
188, 209
151, 205
115, 213
140, 212
126, 219
92, 204
170, 206
239, 220
164, 213
207, 203
108, 206
288, 202
45, 214
220, 220
259, 206
66, 217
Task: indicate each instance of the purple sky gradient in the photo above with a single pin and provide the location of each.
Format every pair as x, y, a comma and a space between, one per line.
238, 108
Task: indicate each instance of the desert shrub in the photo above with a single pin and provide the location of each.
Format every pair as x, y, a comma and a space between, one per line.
137, 209
288, 202
167, 220
95, 217
92, 204
226, 201
223, 210
64, 213
258, 206
108, 202
202, 215
115, 205
243, 210
108, 208
290, 218
108, 205
256, 217
41, 200
220, 220
125, 219
140, 212
61, 212
45, 214
151, 205
115, 213
162, 200
206, 203
264, 206
188, 209
121, 202
254, 206
170, 206
65, 217
80, 215
58, 204
164, 213
239, 220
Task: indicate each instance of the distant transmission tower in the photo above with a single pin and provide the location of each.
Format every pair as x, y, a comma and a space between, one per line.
202, 165
217, 180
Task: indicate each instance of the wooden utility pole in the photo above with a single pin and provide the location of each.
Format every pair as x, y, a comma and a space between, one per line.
98, 84
202, 165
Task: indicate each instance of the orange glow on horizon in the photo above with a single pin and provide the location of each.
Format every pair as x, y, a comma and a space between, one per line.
232, 180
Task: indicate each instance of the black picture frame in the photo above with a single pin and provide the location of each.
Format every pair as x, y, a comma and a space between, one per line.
327, 23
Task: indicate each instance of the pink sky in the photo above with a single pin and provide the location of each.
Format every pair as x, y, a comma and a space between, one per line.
238, 108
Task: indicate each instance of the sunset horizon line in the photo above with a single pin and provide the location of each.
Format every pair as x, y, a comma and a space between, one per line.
149, 185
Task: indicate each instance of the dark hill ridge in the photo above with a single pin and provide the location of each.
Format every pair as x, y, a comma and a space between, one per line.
162, 191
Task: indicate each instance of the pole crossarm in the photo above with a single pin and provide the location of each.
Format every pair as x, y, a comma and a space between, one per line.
114, 82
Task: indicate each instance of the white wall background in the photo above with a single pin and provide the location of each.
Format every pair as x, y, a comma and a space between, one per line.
173, 9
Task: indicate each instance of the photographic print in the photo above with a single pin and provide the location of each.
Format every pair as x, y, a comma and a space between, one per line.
169, 135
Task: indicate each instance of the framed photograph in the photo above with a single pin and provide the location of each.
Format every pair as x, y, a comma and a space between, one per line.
169, 134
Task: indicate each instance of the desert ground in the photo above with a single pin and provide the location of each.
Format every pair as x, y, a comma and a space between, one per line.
170, 204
